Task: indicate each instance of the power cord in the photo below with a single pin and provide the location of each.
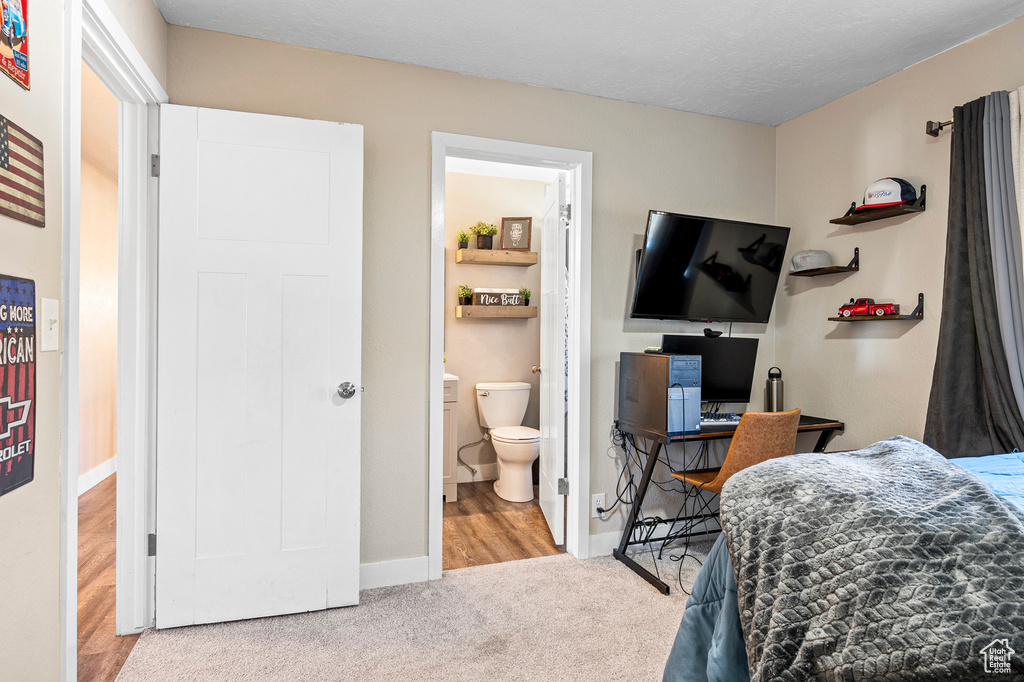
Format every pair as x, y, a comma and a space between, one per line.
626, 489
625, 485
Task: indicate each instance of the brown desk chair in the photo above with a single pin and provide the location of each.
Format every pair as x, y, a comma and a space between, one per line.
759, 436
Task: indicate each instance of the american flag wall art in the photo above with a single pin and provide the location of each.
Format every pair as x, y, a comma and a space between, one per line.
21, 175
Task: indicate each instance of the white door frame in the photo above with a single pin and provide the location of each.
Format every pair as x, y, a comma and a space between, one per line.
445, 145
93, 34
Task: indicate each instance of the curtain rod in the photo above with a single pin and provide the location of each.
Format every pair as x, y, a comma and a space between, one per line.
933, 127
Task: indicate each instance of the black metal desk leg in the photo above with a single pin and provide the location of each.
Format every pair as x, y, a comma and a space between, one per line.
634, 512
823, 440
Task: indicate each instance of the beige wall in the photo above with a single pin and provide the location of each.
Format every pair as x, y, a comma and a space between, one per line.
97, 430
147, 29
99, 122
30, 531
30, 526
875, 375
489, 350
644, 158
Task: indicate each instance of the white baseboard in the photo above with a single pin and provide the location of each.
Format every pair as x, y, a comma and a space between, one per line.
92, 478
602, 544
397, 572
484, 472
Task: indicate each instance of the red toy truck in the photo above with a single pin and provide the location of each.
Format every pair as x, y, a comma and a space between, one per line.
867, 306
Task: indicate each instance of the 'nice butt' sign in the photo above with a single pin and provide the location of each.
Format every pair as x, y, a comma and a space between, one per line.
497, 297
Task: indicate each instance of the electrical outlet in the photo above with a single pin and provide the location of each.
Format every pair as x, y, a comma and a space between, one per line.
595, 502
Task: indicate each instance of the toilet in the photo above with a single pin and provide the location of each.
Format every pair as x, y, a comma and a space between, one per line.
502, 406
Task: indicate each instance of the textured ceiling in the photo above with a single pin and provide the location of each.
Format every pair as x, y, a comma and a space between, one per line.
763, 61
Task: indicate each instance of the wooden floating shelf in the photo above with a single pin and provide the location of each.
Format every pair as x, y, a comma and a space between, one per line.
523, 259
853, 218
916, 314
854, 266
496, 311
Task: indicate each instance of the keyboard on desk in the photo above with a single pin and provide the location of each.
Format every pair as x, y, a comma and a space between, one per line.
719, 419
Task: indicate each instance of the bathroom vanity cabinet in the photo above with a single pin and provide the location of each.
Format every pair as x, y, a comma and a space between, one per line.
450, 479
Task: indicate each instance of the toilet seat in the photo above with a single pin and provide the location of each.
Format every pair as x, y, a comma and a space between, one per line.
515, 434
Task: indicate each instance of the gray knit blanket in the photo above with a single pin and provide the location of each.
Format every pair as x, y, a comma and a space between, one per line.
887, 563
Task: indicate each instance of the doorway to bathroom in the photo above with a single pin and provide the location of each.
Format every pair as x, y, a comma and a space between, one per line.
539, 351
492, 483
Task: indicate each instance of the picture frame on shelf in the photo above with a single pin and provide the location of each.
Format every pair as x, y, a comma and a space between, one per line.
516, 233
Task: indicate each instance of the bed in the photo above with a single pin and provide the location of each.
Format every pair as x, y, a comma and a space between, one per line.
889, 562
1004, 474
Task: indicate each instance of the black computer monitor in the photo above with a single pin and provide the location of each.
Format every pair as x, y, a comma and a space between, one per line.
727, 365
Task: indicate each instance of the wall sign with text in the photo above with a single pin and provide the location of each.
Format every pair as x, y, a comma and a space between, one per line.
497, 297
17, 381
14, 40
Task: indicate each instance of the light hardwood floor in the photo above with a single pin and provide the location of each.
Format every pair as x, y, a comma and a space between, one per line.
481, 528
100, 653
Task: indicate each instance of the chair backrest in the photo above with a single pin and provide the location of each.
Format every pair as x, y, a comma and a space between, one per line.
759, 436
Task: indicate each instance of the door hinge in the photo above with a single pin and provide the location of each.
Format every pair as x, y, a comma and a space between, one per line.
563, 486
154, 165
152, 545
565, 212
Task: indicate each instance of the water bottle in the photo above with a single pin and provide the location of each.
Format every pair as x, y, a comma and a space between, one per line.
773, 391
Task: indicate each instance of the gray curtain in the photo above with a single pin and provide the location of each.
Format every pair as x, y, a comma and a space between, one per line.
1004, 236
972, 409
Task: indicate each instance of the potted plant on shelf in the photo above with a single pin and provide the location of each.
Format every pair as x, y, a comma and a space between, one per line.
463, 238
465, 295
526, 295
484, 234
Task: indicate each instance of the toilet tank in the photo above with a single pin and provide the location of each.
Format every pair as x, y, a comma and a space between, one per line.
502, 403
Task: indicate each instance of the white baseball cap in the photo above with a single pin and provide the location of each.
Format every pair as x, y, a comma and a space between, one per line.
809, 260
887, 192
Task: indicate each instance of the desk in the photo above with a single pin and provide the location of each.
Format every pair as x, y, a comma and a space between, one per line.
826, 427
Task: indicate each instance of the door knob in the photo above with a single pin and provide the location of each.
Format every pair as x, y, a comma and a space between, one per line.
536, 369
347, 389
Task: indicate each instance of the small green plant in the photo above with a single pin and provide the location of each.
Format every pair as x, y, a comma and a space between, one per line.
465, 292
463, 237
485, 229
525, 292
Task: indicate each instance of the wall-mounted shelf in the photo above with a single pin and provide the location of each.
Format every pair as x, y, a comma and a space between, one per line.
496, 311
523, 259
854, 266
854, 218
916, 314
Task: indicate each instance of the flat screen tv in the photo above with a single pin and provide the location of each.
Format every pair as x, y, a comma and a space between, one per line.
708, 269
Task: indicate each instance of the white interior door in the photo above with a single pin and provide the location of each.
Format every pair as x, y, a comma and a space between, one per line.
552, 359
259, 324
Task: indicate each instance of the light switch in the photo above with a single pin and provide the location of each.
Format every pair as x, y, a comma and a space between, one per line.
49, 325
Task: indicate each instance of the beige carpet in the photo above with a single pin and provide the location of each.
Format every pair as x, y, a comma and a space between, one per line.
552, 618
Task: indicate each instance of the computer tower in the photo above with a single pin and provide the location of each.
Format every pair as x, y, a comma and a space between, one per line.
659, 393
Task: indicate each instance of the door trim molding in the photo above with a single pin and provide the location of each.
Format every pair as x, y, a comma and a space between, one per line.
109, 52
93, 34
444, 145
